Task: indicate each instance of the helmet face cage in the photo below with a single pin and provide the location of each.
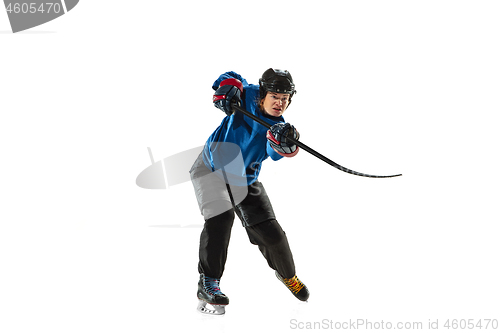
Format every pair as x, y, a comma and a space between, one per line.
277, 81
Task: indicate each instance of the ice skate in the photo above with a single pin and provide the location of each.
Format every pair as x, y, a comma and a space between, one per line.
296, 286
209, 293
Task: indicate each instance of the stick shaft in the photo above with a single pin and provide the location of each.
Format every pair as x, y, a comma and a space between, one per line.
308, 149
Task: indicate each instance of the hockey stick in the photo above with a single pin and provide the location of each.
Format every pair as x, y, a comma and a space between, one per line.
308, 149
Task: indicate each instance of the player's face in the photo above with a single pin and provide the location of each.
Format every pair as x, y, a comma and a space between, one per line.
275, 104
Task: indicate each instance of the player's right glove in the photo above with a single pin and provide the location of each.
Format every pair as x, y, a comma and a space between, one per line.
276, 136
229, 91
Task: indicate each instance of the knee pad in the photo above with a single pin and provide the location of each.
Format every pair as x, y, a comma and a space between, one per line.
268, 233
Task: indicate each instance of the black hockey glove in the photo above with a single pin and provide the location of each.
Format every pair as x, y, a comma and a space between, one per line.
276, 136
229, 91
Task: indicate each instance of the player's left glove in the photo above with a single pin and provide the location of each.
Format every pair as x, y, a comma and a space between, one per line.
229, 91
276, 136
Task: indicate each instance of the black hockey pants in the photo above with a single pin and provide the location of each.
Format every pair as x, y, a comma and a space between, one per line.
268, 236
218, 204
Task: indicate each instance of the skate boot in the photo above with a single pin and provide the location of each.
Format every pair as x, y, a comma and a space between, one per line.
296, 286
209, 292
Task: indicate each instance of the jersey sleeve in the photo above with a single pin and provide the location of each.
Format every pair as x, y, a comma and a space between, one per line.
229, 75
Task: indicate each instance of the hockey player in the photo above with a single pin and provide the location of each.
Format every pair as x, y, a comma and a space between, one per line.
224, 186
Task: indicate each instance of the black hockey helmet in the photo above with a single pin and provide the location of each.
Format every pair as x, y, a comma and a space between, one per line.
278, 81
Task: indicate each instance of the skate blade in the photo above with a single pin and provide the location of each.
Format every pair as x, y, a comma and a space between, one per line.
217, 310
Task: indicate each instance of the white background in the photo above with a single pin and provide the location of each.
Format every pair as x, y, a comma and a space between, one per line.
384, 87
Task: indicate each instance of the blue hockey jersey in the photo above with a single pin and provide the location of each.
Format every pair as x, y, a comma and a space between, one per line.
240, 138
